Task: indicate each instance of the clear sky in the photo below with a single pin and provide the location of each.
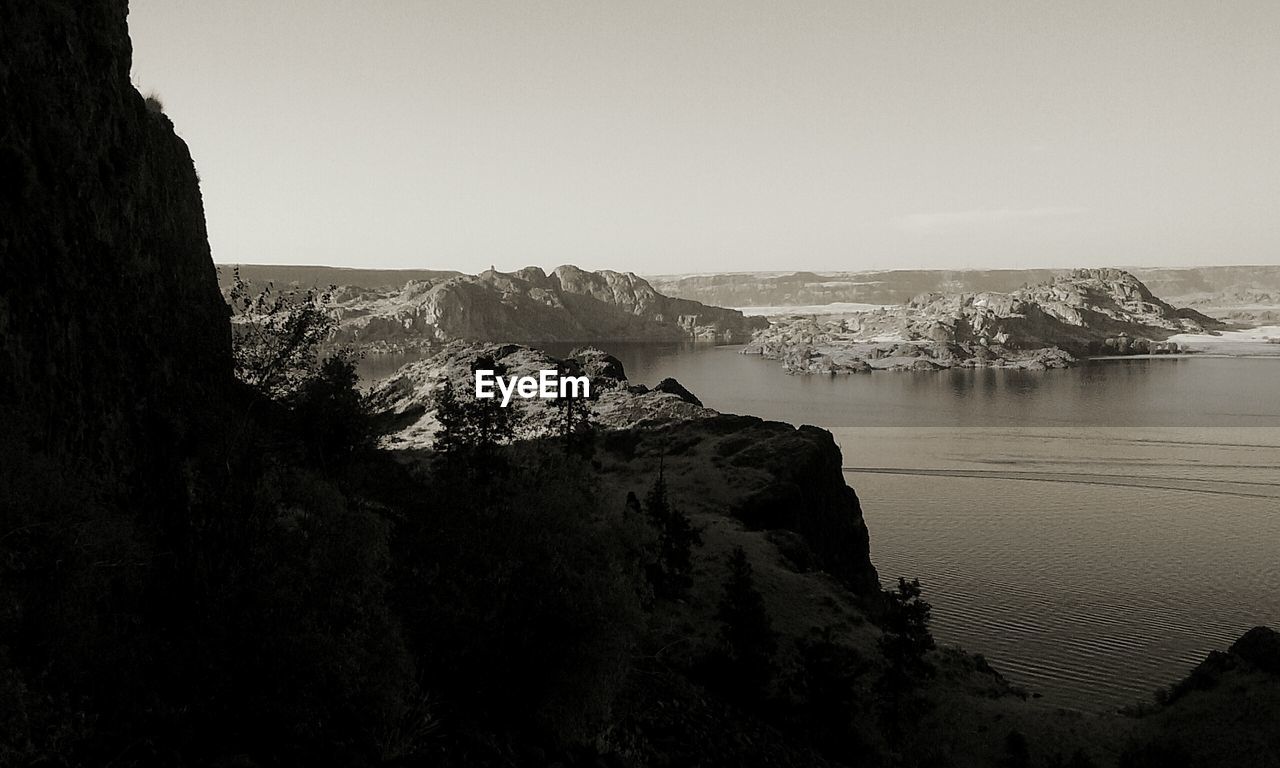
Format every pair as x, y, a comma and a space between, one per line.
695, 136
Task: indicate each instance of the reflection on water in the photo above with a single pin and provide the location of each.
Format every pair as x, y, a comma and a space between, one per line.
1095, 531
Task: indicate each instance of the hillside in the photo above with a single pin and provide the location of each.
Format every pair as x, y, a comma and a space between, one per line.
1088, 311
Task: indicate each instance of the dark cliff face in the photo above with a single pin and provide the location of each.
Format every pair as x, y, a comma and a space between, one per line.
110, 317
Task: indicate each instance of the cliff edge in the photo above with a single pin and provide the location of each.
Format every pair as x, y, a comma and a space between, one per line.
110, 316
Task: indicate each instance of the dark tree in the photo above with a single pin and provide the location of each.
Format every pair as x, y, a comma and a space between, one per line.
671, 572
907, 638
471, 429
905, 643
332, 416
746, 633
573, 423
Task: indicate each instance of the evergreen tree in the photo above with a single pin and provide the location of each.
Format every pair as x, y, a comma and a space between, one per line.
905, 643
746, 633
671, 573
907, 638
573, 425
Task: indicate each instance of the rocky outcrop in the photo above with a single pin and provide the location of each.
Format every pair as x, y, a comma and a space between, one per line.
567, 305
1051, 325
767, 476
110, 317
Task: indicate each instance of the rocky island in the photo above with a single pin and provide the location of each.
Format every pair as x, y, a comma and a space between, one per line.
1049, 325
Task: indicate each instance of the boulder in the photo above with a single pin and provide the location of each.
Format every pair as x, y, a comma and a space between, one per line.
673, 387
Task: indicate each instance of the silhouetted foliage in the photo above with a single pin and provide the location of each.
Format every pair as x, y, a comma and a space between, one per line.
905, 643
671, 572
472, 429
277, 335
747, 639
573, 423
153, 104
332, 416
907, 638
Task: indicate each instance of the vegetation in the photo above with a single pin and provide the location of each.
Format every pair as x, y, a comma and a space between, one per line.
573, 425
670, 570
278, 335
471, 429
747, 640
905, 645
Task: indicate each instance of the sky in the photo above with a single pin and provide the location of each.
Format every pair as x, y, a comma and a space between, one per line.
675, 137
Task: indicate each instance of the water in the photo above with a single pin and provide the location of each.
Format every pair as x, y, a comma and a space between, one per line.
1094, 531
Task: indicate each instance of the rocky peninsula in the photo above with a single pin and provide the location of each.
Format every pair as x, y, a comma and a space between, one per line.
1050, 325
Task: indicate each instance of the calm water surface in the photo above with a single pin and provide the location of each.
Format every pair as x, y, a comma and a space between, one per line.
1094, 531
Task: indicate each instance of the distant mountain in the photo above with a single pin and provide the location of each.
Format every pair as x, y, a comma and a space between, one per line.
802, 288
1088, 311
567, 305
1236, 289
316, 276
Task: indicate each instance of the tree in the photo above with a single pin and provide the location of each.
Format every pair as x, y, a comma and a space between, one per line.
331, 414
907, 638
277, 335
746, 634
471, 429
905, 643
573, 423
671, 572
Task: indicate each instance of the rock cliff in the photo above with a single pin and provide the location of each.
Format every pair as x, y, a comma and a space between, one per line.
110, 316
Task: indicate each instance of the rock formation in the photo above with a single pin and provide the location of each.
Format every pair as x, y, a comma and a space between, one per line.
567, 305
1050, 325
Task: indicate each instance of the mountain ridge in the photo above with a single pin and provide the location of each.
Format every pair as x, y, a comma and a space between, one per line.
568, 304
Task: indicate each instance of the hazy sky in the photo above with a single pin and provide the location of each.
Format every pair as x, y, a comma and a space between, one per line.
693, 136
